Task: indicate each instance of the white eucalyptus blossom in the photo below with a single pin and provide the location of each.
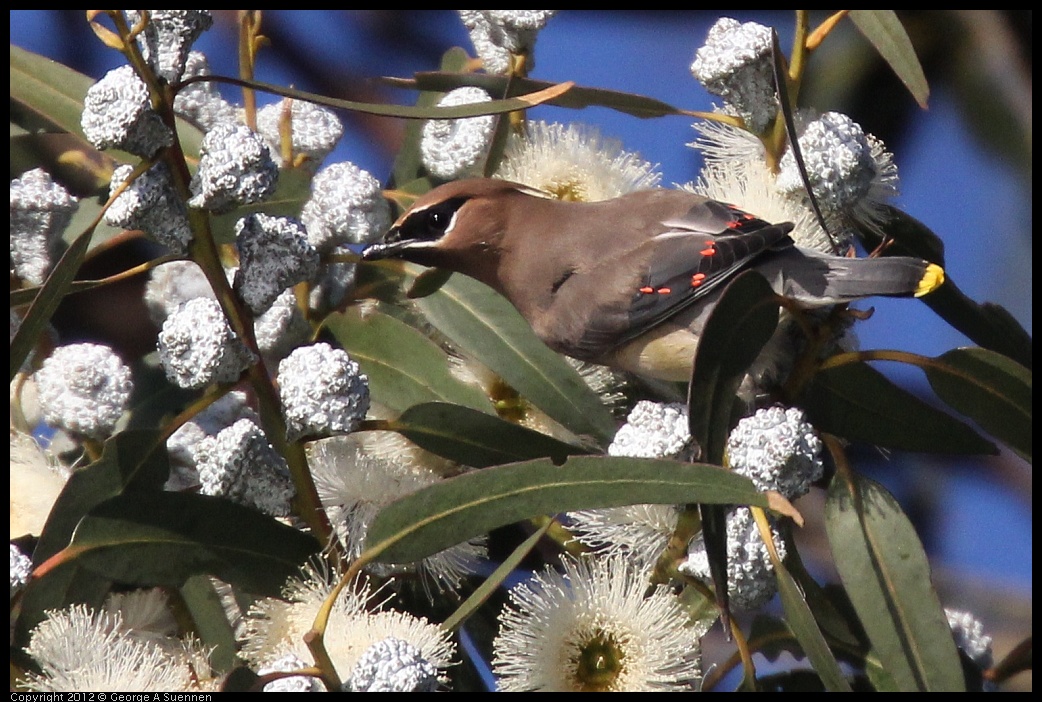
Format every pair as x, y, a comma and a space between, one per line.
323, 392
198, 347
970, 637
574, 162
750, 575
40, 210
151, 205
274, 254
118, 114
592, 628
735, 63
499, 34
393, 665
84, 388
275, 627
168, 37
354, 485
235, 168
239, 464
315, 130
453, 148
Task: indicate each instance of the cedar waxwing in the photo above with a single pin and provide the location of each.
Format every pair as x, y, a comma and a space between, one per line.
627, 282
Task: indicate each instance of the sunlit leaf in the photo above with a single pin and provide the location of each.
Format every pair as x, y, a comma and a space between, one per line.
991, 389
859, 403
129, 459
474, 438
404, 367
883, 29
164, 538
887, 576
477, 502
488, 328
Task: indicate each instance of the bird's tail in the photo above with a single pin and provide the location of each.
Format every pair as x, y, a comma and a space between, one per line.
822, 279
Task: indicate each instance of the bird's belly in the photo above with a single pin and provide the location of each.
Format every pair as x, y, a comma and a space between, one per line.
666, 353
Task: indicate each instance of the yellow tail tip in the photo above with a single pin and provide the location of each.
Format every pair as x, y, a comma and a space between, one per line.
932, 279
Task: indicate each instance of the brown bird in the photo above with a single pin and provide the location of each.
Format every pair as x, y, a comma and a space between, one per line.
626, 282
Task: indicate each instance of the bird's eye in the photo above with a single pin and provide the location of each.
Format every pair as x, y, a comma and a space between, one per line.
438, 220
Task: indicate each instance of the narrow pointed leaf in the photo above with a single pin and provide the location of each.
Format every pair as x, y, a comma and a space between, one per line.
130, 459
47, 300
802, 624
991, 389
404, 367
985, 324
476, 439
885, 572
164, 538
210, 621
743, 320
884, 30
474, 503
859, 403
578, 97
488, 327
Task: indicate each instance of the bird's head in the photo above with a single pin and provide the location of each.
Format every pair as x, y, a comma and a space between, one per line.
458, 226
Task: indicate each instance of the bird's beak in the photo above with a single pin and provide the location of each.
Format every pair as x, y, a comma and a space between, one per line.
387, 248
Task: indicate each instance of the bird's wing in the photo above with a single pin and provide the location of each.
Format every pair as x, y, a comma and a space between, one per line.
697, 254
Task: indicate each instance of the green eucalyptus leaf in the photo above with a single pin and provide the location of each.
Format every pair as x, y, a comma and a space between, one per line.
883, 30
857, 402
131, 460
210, 622
577, 98
404, 367
887, 577
805, 628
986, 324
474, 438
487, 327
991, 389
164, 538
477, 502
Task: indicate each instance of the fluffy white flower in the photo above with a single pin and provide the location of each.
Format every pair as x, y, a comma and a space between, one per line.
275, 627
575, 163
970, 637
591, 628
